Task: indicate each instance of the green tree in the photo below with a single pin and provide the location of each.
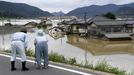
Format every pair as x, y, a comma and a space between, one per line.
110, 15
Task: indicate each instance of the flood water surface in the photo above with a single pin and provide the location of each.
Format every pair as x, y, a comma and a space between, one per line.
101, 47
117, 53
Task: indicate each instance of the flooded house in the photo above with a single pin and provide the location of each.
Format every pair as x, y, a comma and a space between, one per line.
48, 22
75, 26
102, 28
130, 26
80, 25
31, 24
111, 29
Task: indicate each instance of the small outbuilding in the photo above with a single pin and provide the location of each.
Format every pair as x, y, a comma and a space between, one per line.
117, 36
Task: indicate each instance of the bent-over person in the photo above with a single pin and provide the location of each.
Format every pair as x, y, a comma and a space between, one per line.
19, 44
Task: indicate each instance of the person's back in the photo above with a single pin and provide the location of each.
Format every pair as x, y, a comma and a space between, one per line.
41, 39
18, 36
41, 48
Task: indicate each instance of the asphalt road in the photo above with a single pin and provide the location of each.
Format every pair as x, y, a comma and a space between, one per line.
52, 70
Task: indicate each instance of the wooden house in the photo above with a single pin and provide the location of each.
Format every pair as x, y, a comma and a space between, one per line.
99, 26
76, 26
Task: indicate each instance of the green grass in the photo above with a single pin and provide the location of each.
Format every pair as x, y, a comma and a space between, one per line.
106, 67
102, 65
56, 57
6, 50
29, 52
88, 65
131, 73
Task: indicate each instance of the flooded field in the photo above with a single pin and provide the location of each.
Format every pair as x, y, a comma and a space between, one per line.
18, 21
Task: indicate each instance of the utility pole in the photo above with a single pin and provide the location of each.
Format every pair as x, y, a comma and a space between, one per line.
86, 27
3, 31
86, 37
60, 21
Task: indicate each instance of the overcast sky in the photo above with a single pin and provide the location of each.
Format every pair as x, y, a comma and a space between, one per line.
67, 5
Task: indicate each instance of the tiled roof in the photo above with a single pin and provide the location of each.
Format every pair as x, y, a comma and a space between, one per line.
117, 35
98, 18
112, 22
130, 22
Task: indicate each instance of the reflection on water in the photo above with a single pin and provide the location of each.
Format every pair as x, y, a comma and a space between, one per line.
117, 53
100, 47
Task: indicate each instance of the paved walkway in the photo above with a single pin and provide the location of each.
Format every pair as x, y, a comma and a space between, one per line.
52, 70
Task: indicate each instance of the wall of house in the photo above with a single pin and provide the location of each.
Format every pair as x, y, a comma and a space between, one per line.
98, 31
75, 28
79, 29
111, 29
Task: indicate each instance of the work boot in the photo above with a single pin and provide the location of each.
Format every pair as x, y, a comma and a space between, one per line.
13, 66
45, 66
24, 66
39, 67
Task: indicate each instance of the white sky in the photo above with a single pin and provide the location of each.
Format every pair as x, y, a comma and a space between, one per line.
67, 5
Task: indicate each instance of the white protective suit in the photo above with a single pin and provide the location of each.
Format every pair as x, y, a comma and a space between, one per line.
19, 44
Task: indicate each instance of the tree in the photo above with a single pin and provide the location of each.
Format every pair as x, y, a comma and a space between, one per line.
110, 15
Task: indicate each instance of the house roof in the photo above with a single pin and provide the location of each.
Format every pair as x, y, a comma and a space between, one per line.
111, 22
98, 18
76, 21
89, 20
31, 23
117, 35
130, 22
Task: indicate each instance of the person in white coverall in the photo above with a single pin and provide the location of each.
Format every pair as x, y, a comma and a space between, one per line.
19, 44
41, 49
